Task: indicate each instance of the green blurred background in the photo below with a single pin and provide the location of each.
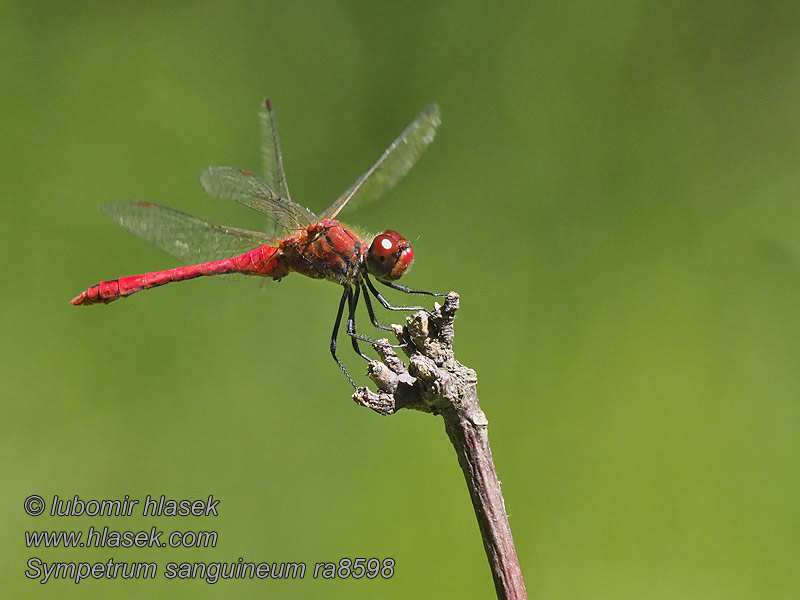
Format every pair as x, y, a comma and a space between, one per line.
613, 192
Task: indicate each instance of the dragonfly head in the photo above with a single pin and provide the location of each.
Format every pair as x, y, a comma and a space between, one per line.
389, 256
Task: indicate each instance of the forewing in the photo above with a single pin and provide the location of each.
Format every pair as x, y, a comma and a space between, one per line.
274, 174
246, 188
185, 236
393, 164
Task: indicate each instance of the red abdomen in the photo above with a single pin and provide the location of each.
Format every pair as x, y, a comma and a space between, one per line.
266, 261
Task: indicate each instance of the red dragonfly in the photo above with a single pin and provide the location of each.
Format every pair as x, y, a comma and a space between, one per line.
297, 240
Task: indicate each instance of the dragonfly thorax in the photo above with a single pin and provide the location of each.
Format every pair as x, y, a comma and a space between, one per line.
389, 256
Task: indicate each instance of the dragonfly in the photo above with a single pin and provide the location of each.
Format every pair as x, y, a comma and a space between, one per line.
295, 240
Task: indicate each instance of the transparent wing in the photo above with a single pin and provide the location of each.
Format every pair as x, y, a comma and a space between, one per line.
252, 191
185, 236
393, 164
274, 174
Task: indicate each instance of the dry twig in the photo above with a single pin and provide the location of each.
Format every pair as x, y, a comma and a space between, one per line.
435, 382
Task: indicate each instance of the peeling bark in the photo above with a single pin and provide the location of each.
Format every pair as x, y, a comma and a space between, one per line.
435, 382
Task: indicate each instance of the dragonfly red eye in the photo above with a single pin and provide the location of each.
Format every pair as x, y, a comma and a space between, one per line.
389, 255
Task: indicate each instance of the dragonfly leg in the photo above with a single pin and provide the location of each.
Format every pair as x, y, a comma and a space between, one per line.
352, 303
385, 303
371, 311
335, 334
406, 290
351, 325
375, 321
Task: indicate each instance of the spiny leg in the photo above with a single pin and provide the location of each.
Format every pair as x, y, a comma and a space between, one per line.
351, 328
406, 290
385, 303
335, 333
371, 311
352, 303
377, 324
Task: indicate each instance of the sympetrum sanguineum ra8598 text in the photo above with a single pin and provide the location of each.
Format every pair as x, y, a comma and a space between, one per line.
297, 240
